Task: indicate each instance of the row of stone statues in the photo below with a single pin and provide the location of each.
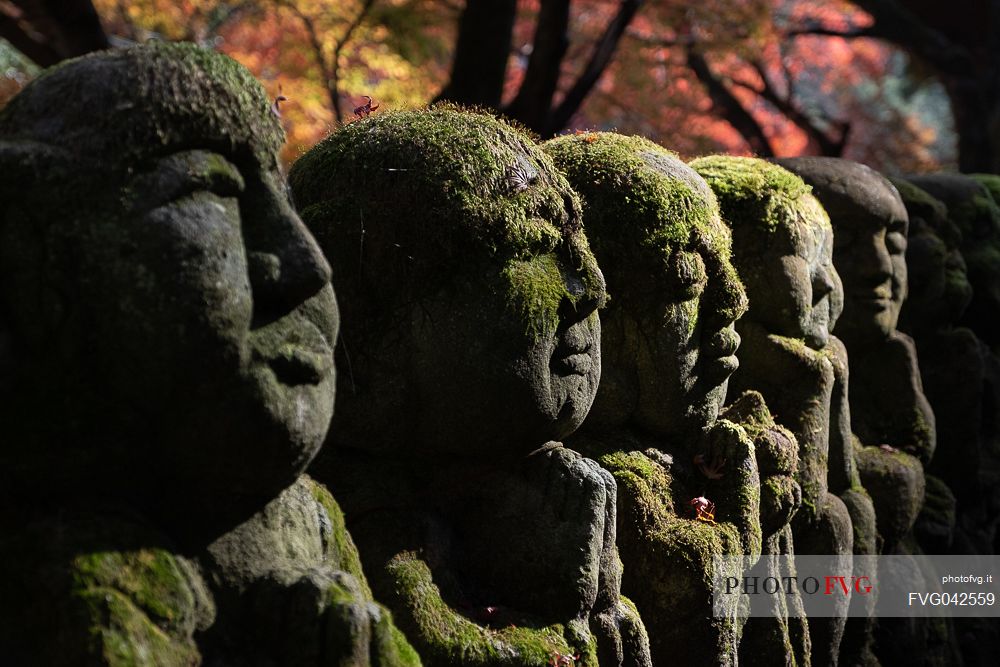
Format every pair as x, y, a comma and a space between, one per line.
527, 471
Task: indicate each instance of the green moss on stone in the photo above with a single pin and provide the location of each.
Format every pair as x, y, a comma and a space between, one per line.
919, 201
123, 636
753, 192
992, 183
642, 204
537, 290
340, 548
146, 101
434, 194
151, 578
447, 638
966, 212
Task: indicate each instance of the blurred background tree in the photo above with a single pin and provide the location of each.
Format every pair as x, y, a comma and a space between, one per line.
903, 86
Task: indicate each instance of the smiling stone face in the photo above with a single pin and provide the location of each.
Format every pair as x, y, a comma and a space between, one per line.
469, 291
783, 246
869, 227
166, 300
656, 230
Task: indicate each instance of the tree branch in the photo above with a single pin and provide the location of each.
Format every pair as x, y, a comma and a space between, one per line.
827, 145
599, 61
533, 102
830, 32
48, 31
728, 106
31, 45
896, 24
334, 85
325, 71
329, 69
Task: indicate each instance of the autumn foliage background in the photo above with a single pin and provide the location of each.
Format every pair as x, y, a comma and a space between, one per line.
769, 77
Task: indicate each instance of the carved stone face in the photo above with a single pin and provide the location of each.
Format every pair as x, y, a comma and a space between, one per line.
469, 294
167, 301
869, 228
230, 296
687, 342
783, 246
939, 286
489, 371
668, 330
871, 251
812, 282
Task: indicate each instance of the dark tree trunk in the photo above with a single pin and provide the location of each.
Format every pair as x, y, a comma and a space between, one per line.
533, 103
48, 31
480, 63
975, 105
729, 107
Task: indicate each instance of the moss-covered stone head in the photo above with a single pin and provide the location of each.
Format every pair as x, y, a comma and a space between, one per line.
171, 317
655, 228
468, 287
973, 210
782, 246
869, 241
939, 289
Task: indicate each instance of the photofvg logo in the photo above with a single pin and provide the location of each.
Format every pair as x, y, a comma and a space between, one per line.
846, 585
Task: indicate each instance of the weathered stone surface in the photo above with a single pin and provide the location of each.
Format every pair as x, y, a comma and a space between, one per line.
469, 296
783, 250
974, 211
668, 342
888, 406
888, 409
170, 323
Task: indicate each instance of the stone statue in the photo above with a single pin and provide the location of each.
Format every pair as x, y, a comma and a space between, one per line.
783, 252
170, 324
470, 346
951, 364
889, 412
688, 481
972, 208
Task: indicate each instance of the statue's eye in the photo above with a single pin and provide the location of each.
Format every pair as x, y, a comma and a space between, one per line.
225, 184
895, 237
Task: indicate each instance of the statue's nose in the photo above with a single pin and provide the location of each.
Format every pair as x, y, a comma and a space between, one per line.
285, 263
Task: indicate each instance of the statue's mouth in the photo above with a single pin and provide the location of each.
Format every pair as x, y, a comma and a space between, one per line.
573, 354
876, 298
298, 353
719, 351
578, 363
